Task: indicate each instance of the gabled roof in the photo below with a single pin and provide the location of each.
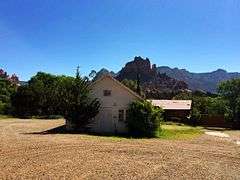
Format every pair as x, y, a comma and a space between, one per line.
172, 104
117, 82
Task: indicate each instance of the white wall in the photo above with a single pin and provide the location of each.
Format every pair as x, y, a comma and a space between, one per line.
120, 99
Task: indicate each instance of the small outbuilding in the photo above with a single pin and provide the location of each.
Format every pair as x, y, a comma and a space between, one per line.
174, 109
115, 99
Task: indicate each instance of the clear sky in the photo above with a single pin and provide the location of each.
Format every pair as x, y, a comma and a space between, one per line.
57, 35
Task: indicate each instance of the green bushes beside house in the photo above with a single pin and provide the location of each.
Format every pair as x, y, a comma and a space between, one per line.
144, 119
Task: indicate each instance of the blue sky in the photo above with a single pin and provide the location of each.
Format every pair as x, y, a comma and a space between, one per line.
55, 36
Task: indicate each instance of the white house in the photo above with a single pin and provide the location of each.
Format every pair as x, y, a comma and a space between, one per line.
115, 99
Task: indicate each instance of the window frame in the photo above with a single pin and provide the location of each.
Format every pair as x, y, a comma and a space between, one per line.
121, 114
126, 114
107, 92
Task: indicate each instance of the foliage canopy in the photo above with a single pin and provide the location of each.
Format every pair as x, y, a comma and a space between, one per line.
48, 94
144, 119
230, 91
8, 85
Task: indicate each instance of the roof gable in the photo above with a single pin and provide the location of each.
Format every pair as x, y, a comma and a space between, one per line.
122, 86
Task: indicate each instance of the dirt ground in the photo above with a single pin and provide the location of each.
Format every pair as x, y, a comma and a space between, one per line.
27, 154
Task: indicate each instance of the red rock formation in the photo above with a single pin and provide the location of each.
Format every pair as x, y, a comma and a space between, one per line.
138, 66
150, 79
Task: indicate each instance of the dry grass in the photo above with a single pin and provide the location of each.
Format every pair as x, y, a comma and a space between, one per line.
29, 155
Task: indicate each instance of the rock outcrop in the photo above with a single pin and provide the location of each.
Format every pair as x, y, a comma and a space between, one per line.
150, 80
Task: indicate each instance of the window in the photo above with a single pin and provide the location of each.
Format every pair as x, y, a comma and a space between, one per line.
121, 115
127, 114
107, 92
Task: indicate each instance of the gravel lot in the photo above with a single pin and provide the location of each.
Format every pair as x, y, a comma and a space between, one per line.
25, 154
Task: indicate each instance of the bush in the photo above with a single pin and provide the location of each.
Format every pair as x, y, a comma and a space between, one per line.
144, 119
195, 117
2, 107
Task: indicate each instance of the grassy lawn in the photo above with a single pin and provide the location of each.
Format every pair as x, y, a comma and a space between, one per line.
179, 131
2, 117
169, 130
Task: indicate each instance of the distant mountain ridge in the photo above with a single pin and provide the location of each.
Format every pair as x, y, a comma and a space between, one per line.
103, 72
199, 81
207, 82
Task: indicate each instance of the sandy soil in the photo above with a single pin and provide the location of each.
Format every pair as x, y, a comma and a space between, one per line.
27, 154
218, 134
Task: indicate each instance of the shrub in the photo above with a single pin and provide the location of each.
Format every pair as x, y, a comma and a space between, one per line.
144, 119
2, 107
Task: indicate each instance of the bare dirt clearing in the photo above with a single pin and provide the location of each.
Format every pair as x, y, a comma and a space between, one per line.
31, 156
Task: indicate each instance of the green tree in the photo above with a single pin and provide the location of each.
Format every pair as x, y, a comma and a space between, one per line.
92, 74
144, 119
76, 103
200, 104
133, 85
47, 95
8, 86
205, 104
218, 106
230, 91
138, 90
24, 102
42, 86
184, 96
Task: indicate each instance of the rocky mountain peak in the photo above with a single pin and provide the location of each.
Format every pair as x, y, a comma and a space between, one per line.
139, 66
152, 81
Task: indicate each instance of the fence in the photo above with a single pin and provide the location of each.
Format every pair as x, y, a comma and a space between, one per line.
214, 121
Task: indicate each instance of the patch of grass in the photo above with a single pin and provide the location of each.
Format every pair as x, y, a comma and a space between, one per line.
179, 131
172, 131
169, 130
5, 116
47, 117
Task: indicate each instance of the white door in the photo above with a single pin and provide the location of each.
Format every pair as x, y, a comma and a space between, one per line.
106, 120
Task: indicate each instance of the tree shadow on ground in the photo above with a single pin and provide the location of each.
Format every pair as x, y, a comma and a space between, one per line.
56, 130
62, 130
